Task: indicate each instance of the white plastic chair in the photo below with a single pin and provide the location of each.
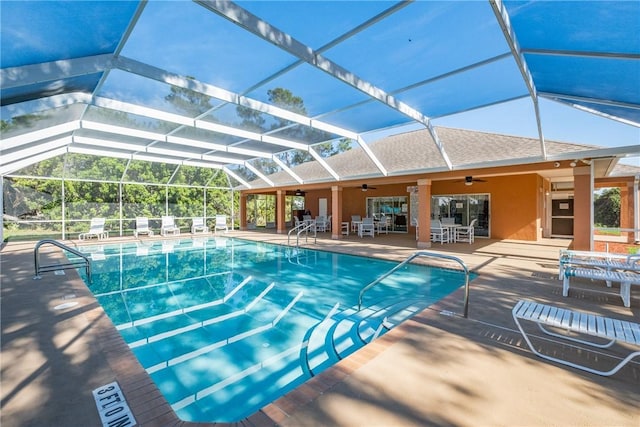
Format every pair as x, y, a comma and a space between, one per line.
221, 224
321, 223
367, 228
169, 226
438, 232
197, 224
142, 227
466, 234
96, 229
355, 222
383, 224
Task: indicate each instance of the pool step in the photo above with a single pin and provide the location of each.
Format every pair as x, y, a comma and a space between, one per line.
351, 335
170, 348
343, 332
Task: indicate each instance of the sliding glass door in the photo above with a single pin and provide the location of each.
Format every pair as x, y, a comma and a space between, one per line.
394, 210
463, 208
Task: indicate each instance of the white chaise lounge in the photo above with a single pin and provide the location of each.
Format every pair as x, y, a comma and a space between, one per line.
198, 224
142, 227
221, 223
599, 266
591, 325
96, 229
169, 226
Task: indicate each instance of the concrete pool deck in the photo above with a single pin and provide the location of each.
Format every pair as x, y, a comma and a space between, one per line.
436, 369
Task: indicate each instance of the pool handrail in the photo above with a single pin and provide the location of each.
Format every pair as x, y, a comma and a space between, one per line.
296, 228
302, 228
54, 267
411, 258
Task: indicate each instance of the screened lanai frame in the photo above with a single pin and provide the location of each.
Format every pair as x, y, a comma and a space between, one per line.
106, 90
62, 183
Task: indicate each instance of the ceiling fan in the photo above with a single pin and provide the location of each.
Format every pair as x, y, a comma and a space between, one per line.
469, 180
299, 193
365, 187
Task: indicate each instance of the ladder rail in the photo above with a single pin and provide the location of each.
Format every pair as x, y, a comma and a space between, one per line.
309, 226
84, 261
411, 258
296, 228
302, 228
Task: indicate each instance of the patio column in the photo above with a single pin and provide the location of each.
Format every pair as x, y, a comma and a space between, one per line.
281, 224
582, 209
424, 213
336, 212
243, 211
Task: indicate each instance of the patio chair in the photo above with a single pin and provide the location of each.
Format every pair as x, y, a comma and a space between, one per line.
321, 223
367, 228
169, 226
198, 224
142, 227
96, 229
383, 224
355, 222
221, 223
438, 232
466, 234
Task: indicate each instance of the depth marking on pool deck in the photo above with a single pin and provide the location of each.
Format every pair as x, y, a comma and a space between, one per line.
112, 406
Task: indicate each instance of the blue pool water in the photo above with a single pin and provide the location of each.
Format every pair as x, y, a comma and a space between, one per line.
225, 326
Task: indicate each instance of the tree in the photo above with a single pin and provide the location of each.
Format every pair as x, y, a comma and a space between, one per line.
285, 99
606, 208
190, 102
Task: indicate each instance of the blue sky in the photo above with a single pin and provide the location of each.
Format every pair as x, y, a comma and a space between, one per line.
408, 53
416, 54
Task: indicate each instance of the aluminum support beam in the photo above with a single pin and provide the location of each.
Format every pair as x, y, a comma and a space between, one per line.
286, 42
505, 23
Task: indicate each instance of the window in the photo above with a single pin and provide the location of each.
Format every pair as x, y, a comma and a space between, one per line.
464, 208
394, 210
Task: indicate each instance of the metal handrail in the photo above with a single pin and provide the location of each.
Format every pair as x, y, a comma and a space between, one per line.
302, 228
297, 227
311, 225
53, 267
411, 258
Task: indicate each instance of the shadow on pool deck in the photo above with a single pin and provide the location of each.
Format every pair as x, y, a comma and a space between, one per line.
436, 369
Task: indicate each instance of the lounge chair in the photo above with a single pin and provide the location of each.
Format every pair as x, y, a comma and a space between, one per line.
590, 325
169, 226
198, 224
221, 223
142, 227
96, 229
367, 228
466, 234
626, 279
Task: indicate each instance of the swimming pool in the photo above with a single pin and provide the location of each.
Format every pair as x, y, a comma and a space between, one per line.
225, 326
